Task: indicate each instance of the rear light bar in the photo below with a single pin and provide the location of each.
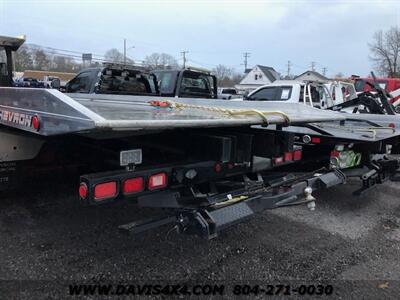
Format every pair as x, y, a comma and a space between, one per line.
157, 181
103, 187
105, 190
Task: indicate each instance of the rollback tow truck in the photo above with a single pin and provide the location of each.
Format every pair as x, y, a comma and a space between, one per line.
209, 163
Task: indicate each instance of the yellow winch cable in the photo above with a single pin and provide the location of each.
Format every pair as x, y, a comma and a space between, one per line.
231, 201
232, 112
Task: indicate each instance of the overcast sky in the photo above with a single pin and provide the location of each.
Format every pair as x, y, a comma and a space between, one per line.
334, 35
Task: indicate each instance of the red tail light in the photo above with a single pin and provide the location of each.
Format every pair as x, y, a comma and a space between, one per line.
218, 167
35, 122
297, 154
157, 181
105, 190
83, 190
392, 125
133, 185
288, 156
315, 140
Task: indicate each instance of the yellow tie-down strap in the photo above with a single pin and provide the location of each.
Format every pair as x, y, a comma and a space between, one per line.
230, 112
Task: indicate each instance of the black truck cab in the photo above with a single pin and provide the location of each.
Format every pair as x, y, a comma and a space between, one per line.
187, 83
113, 79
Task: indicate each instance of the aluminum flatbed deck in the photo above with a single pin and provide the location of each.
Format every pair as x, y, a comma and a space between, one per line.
71, 113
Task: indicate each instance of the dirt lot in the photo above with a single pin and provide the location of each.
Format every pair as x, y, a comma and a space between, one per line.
351, 243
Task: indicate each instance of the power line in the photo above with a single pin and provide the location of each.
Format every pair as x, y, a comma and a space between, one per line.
78, 57
289, 64
184, 52
201, 63
124, 52
298, 66
246, 55
56, 52
313, 65
62, 50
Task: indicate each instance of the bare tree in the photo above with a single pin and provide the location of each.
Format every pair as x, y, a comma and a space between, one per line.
115, 56
222, 72
227, 76
64, 64
385, 51
161, 61
41, 60
23, 59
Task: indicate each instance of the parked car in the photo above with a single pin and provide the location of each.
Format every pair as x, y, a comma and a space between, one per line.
51, 82
315, 94
29, 82
227, 93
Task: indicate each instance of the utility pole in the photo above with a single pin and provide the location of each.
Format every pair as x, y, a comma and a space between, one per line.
324, 69
246, 55
313, 66
289, 64
124, 52
184, 52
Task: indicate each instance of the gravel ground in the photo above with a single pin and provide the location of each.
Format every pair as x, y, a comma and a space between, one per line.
350, 242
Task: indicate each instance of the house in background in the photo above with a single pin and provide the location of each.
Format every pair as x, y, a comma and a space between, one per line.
312, 76
256, 77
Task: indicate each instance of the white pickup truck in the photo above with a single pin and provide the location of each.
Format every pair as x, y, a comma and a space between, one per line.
227, 93
315, 94
333, 95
